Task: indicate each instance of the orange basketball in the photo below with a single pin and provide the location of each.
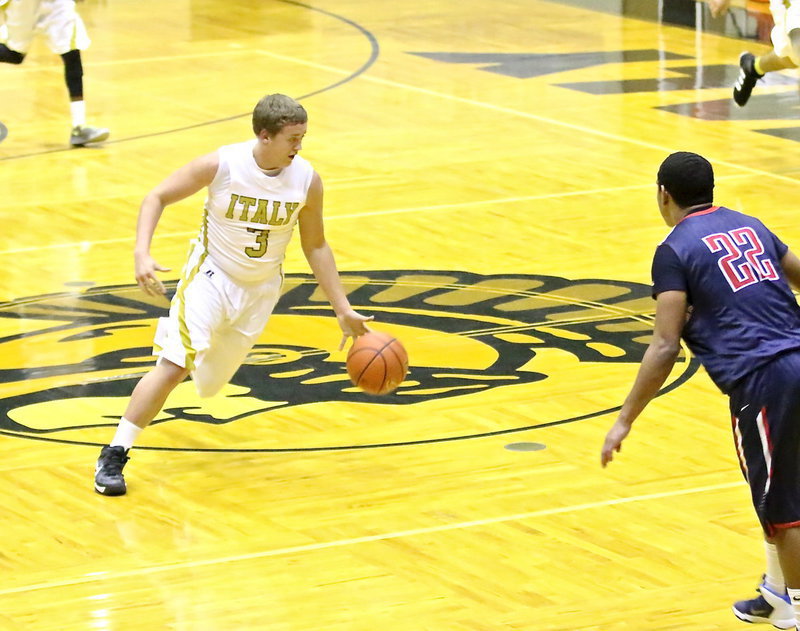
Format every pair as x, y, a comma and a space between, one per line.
377, 363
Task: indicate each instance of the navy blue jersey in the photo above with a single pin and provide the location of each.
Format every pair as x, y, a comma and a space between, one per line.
742, 312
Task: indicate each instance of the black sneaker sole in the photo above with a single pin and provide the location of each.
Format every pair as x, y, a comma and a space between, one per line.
110, 492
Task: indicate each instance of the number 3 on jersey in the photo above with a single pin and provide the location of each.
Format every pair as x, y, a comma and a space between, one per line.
744, 262
260, 248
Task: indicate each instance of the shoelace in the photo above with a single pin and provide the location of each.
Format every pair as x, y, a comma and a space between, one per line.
114, 462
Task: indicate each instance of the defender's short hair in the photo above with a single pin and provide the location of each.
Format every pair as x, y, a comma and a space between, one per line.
688, 178
274, 111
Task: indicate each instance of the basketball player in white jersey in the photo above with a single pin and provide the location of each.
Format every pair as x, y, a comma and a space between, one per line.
66, 36
257, 191
785, 53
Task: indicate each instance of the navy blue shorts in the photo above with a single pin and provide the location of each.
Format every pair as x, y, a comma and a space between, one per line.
765, 413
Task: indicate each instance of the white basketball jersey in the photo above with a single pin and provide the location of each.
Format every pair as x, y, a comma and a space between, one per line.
249, 215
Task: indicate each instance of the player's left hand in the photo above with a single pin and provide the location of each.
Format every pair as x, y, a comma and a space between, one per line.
352, 324
613, 441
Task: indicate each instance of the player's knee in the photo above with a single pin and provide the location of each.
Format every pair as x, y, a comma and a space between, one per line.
10, 56
170, 372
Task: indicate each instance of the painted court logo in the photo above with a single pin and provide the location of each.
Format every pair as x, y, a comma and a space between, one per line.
476, 342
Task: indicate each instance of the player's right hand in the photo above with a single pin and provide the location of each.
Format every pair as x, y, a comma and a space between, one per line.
145, 268
613, 441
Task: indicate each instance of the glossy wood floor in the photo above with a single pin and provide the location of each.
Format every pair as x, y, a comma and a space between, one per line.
489, 171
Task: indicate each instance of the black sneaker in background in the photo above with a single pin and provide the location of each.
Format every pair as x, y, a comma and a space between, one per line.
747, 79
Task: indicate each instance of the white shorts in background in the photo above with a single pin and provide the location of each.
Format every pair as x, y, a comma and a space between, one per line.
786, 20
213, 322
57, 20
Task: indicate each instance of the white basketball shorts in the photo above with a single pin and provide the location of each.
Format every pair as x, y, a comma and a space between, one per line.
57, 20
786, 20
213, 322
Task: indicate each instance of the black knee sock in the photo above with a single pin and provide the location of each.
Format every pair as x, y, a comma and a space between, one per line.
10, 56
73, 73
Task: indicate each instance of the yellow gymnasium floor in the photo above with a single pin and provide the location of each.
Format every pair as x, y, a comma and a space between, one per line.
489, 171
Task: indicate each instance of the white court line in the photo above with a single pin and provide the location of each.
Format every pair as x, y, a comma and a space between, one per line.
473, 102
373, 213
522, 114
59, 67
391, 211
339, 543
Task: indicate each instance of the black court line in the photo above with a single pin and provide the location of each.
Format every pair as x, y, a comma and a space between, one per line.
374, 52
692, 368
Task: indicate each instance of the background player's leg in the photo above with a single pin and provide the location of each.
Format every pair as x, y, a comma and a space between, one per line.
771, 62
82, 134
9, 56
17, 22
751, 69
66, 36
785, 52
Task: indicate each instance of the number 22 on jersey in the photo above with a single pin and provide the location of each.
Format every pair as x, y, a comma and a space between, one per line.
743, 262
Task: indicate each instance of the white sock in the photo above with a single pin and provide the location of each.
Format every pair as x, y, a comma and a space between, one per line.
794, 596
126, 435
773, 578
78, 110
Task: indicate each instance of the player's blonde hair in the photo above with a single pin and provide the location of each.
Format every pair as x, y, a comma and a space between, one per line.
274, 111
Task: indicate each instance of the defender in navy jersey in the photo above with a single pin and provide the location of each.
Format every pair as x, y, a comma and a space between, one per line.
743, 311
721, 281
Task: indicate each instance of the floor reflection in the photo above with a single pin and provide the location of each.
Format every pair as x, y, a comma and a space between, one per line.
696, 77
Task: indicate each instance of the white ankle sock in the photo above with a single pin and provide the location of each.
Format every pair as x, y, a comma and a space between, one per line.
794, 596
773, 578
78, 111
126, 435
